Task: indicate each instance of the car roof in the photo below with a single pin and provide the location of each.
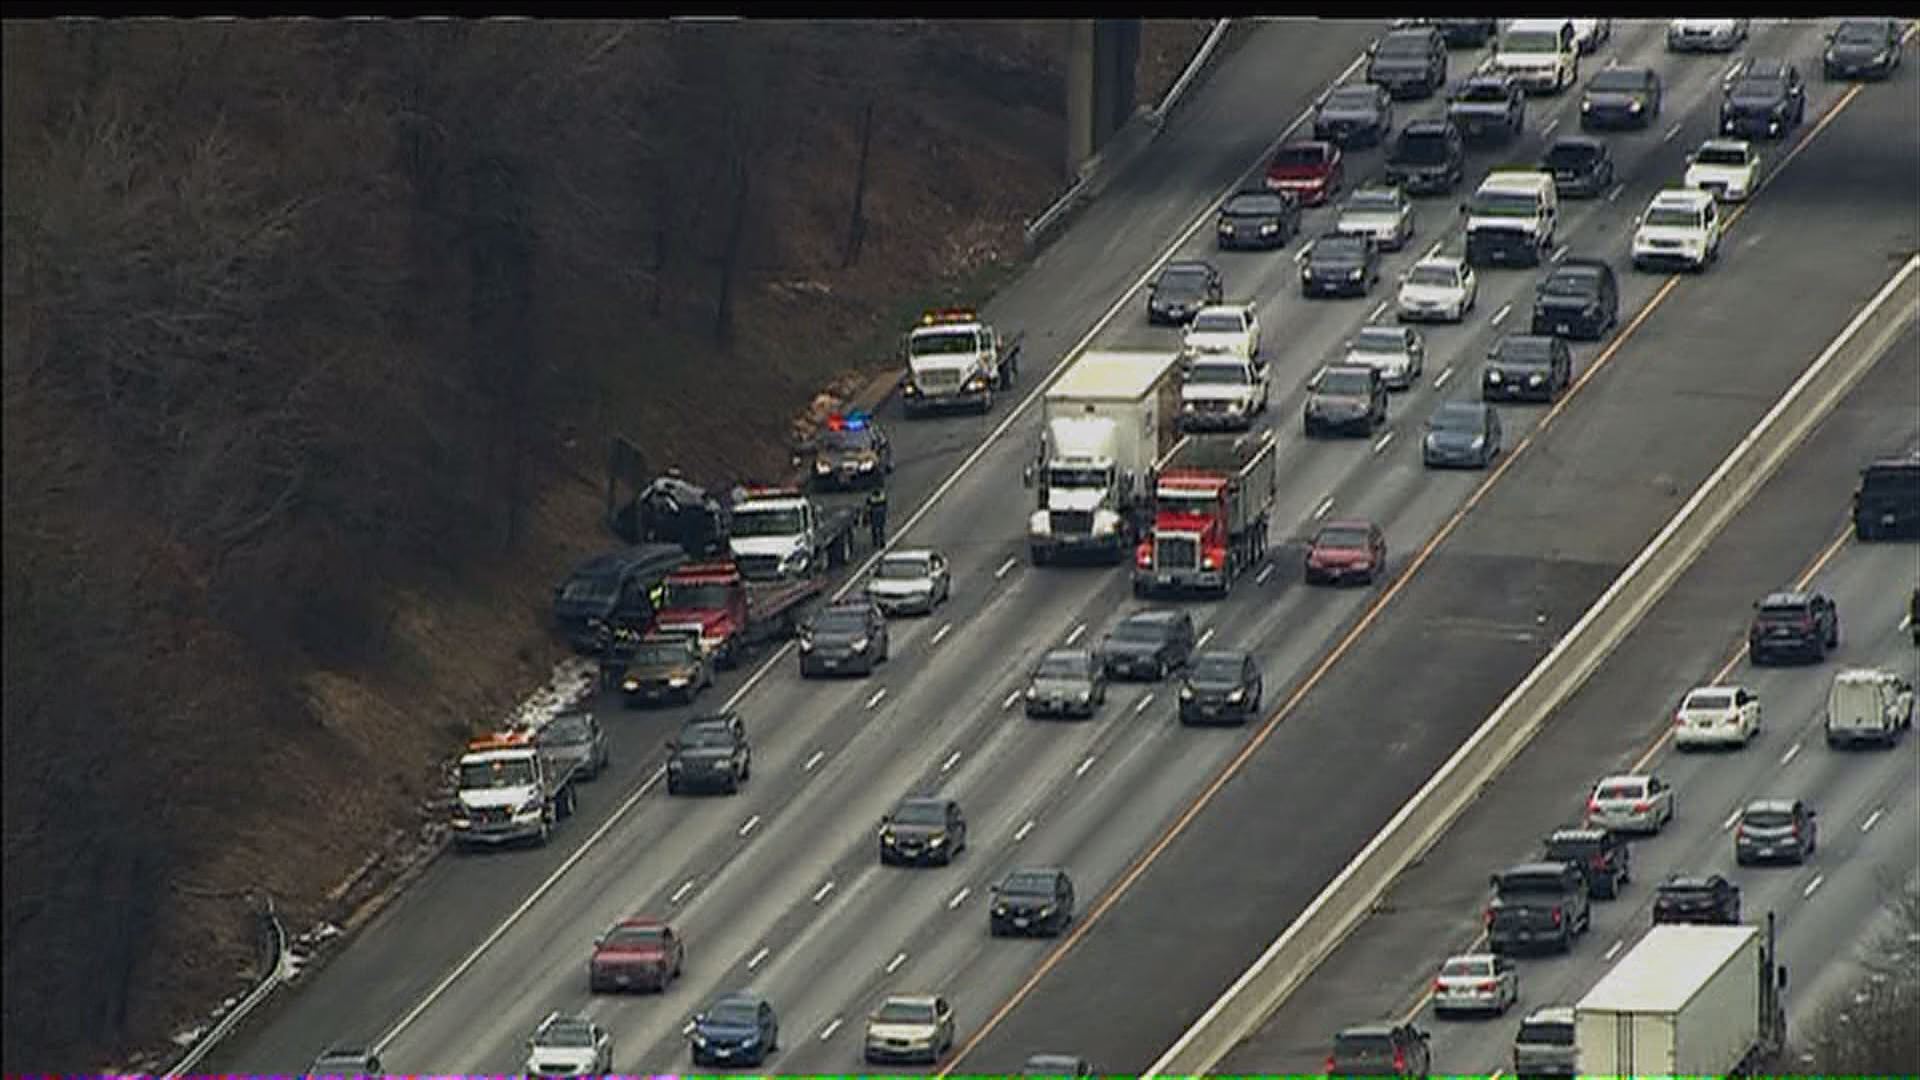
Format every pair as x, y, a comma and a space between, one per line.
1064, 1060
1429, 126
1420, 31
563, 1020
1238, 656
1784, 806
744, 997
1624, 778
1444, 262
1538, 867
909, 999
1579, 834
1345, 523
1037, 871
1552, 1014
1481, 957
712, 719
860, 606
1381, 1029
1155, 616
1683, 198
1727, 144
1346, 369
1237, 308
1786, 599
908, 553
1765, 67
1690, 881
641, 922
1486, 78
1083, 655
1185, 265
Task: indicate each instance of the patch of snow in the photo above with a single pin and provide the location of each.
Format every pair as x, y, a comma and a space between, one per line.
571, 683
188, 1037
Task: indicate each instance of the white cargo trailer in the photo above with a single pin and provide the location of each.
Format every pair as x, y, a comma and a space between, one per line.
1687, 1000
1108, 421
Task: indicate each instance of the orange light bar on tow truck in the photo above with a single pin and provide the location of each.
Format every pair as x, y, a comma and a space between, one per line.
770, 491
935, 316
499, 740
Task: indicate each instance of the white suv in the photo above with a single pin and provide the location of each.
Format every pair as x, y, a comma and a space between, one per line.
1729, 169
1681, 226
1233, 329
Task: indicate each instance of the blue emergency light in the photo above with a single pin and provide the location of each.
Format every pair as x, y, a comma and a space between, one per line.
854, 421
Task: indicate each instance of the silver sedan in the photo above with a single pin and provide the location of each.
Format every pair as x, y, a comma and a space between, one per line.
914, 581
1476, 982
1635, 803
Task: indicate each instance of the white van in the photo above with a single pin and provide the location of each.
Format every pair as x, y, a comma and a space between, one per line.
1511, 218
1868, 705
1542, 55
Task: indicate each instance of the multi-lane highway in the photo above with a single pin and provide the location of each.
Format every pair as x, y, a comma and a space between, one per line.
778, 888
1868, 802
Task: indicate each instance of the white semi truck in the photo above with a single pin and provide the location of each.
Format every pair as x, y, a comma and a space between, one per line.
1687, 1000
1108, 422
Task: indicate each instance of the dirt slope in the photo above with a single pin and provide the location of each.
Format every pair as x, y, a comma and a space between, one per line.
314, 334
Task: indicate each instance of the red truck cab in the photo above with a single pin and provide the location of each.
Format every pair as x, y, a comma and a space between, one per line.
728, 612
1191, 510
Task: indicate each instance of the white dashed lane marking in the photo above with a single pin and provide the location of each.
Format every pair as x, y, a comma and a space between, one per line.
878, 696
821, 893
1012, 561
680, 893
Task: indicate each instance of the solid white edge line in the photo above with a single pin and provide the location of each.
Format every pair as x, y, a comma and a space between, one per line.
1633, 570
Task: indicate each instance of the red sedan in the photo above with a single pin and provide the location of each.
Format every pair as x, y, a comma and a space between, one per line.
636, 954
1346, 551
1309, 170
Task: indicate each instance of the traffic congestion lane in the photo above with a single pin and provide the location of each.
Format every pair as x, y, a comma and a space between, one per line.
1223, 125
1805, 224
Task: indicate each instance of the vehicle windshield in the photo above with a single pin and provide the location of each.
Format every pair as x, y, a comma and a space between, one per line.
943, 343
1219, 375
920, 812
1345, 384
706, 735
1709, 699
1380, 340
1530, 41
1571, 155
1373, 202
1617, 80
1486, 92
904, 568
1264, 205
734, 1014
1066, 476
1028, 884
1860, 33
1467, 967
1343, 539
661, 653
1403, 46
480, 775
1891, 478
1510, 204
1442, 277
1721, 155
1420, 148
1673, 217
905, 1012
1062, 666
702, 596
1351, 99
1299, 157
1760, 88
1185, 500
1570, 284
591, 588
571, 1035
1217, 668
1339, 249
1140, 631
1767, 817
847, 440
636, 937
1456, 417
1218, 322
1546, 1033
1526, 352
1616, 792
1183, 282
1362, 1046
565, 730
840, 622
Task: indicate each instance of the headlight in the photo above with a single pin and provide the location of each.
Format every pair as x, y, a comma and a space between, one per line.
1883, 56
1355, 276
936, 840
860, 644
1085, 696
1045, 911
1032, 693
1236, 695
1226, 226
1533, 380
630, 685
887, 837
1635, 107
1586, 106
1306, 273
1479, 442
678, 681
867, 465
1493, 376
822, 466
1832, 58
1186, 693
999, 909
806, 644
1188, 406
1269, 228
699, 1039
673, 765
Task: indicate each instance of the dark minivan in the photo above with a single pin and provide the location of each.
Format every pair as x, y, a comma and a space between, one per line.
1383, 1049
1537, 904
1600, 854
1582, 166
1579, 299
1886, 505
1428, 158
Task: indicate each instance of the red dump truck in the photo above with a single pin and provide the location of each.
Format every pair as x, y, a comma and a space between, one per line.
1211, 500
730, 613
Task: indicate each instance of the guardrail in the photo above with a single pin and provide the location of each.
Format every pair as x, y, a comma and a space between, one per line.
1338, 910
1126, 144
275, 976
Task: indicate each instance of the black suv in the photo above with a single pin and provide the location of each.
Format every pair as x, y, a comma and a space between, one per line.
1257, 219
1182, 289
711, 752
1036, 902
1488, 106
1359, 115
1221, 686
1384, 1049
1580, 298
922, 830
1582, 166
848, 636
1410, 63
1804, 624
1765, 100
1341, 264
1602, 855
1344, 398
1428, 158
1712, 900
1535, 904
1621, 97
617, 588
1148, 645
1887, 502
1526, 367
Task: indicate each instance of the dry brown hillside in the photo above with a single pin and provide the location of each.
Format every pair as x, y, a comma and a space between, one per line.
314, 333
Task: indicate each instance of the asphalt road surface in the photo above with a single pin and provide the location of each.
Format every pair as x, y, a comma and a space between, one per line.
778, 888
1868, 801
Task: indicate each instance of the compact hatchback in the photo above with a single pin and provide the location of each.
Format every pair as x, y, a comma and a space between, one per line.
639, 953
1684, 898
1221, 686
923, 831
1775, 829
1067, 682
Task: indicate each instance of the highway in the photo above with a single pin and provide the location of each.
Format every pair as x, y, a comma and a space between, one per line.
1868, 801
778, 888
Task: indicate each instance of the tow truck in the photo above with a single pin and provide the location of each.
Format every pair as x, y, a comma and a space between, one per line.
1211, 504
956, 360
779, 533
511, 790
729, 613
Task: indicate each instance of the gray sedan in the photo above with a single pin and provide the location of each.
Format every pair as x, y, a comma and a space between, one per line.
1461, 434
1068, 682
576, 737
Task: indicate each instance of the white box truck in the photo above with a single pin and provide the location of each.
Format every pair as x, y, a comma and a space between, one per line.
1687, 1000
1108, 421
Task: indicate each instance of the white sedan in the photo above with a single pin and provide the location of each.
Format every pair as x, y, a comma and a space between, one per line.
1437, 290
913, 581
1729, 168
1590, 34
1233, 329
1384, 213
1398, 353
1631, 803
1716, 716
1706, 35
1477, 982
